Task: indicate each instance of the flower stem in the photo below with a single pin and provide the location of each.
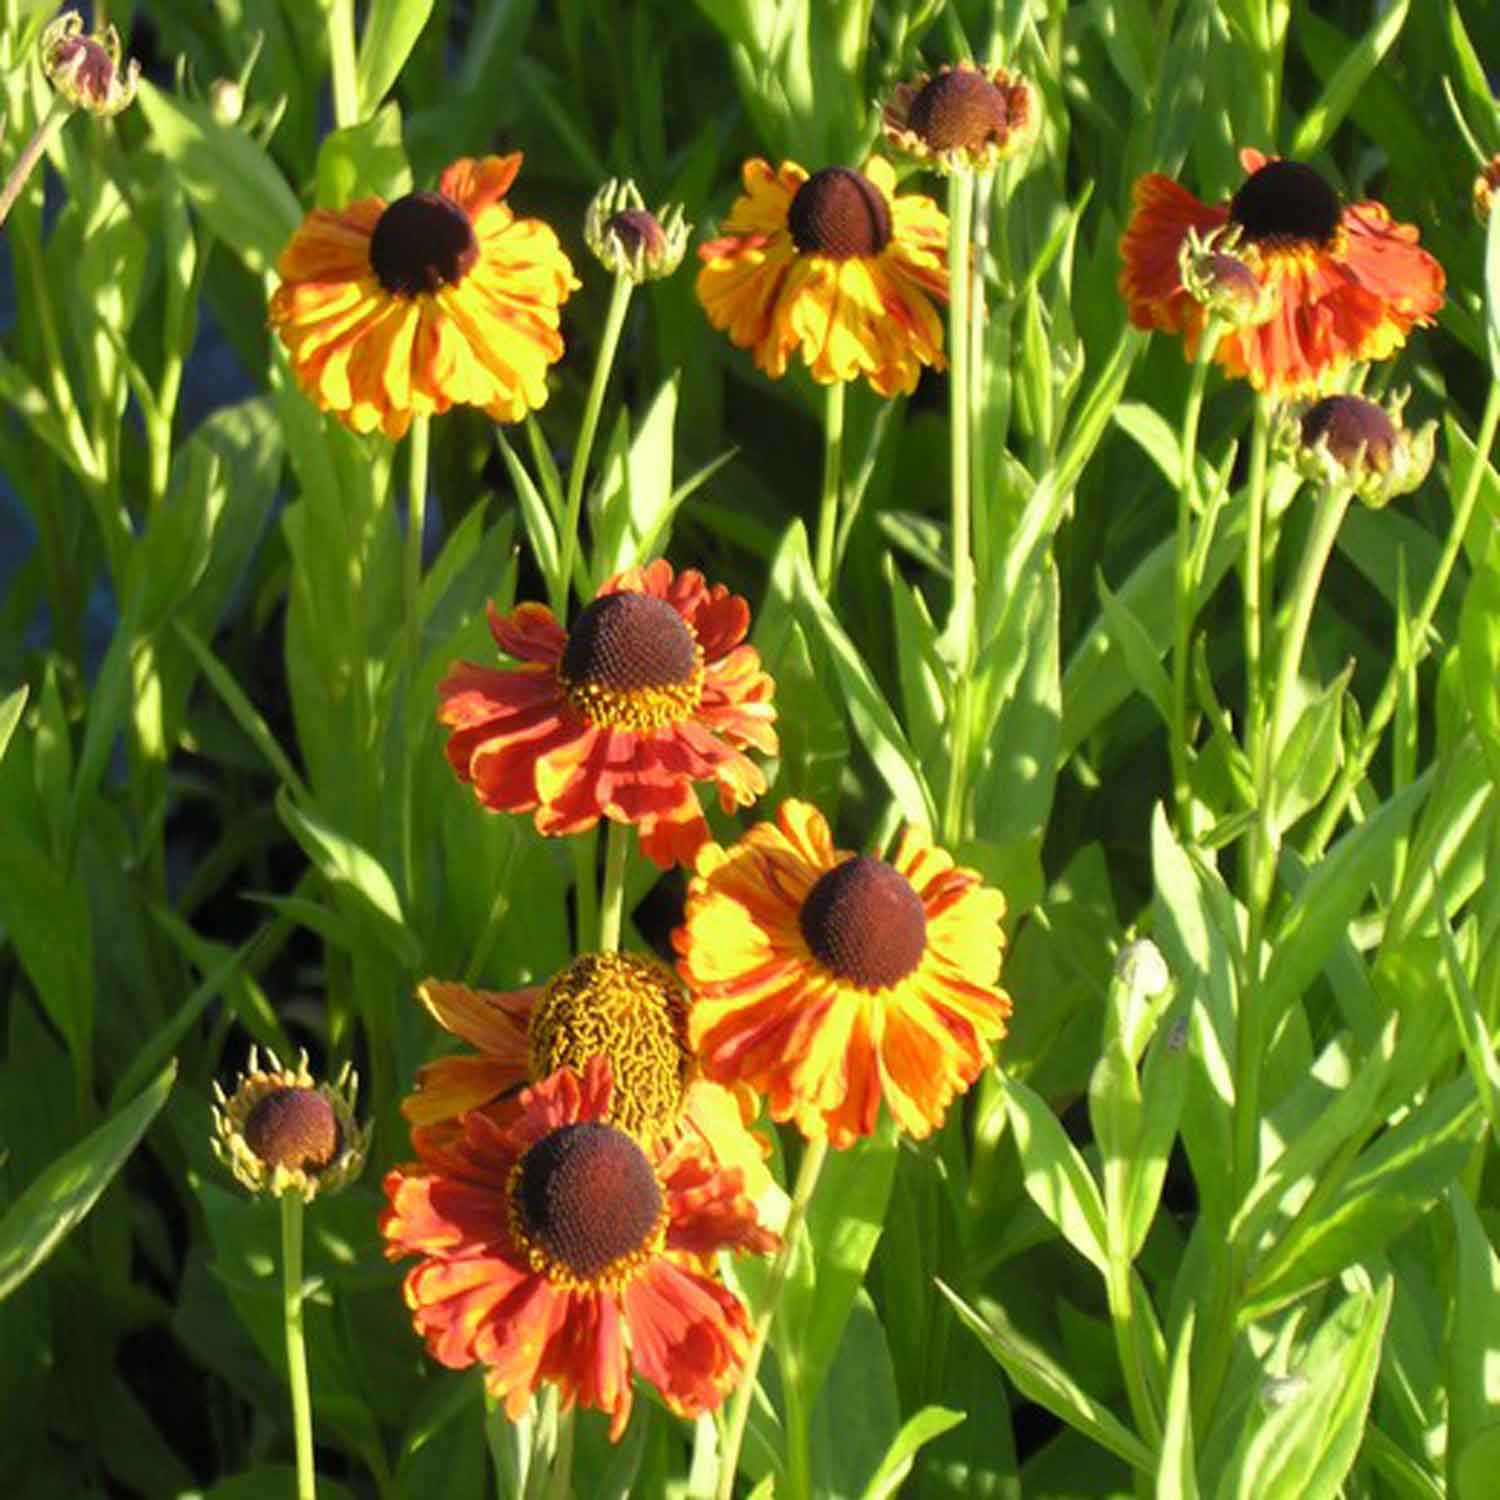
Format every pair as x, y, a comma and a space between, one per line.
739, 1412
296, 1348
1356, 763
418, 444
960, 628
1185, 583
833, 484
612, 899
341, 60
609, 342
26, 162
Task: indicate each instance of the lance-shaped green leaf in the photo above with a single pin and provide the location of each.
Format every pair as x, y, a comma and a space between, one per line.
929, 1423
1340, 92
38, 1220
1392, 1183
1177, 1478
1141, 654
1042, 1379
1057, 1177
231, 180
391, 31
363, 161
1473, 1377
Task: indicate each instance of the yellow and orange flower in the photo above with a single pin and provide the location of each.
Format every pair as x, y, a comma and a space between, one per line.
623, 1007
835, 265
827, 980
390, 311
557, 1249
1350, 282
651, 690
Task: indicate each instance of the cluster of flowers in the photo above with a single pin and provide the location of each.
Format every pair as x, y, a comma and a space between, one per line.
578, 1173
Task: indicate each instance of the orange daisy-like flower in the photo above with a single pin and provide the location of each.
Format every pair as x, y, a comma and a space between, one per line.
629, 1010
557, 1249
389, 311
833, 264
651, 690
827, 980
1350, 282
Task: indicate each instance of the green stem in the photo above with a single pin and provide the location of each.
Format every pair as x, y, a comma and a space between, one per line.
739, 1411
341, 59
954, 797
560, 1482
960, 628
296, 1348
1355, 766
418, 445
36, 147
612, 900
1185, 584
1248, 1029
833, 484
609, 342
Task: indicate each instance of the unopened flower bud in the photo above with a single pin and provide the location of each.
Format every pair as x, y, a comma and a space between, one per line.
625, 236
1223, 283
1486, 184
86, 70
227, 100
280, 1131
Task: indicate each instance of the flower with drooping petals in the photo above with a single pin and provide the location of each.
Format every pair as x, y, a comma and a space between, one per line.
623, 1007
1350, 282
556, 1248
827, 980
833, 265
962, 116
650, 690
402, 309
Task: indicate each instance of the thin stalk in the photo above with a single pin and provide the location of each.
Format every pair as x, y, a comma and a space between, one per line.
960, 628
560, 1481
612, 899
739, 1411
609, 342
1357, 763
296, 1347
417, 448
833, 484
26, 162
1248, 1029
1185, 588
341, 60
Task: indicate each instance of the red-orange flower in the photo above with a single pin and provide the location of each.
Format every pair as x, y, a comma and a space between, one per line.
1350, 281
828, 980
395, 310
628, 1009
557, 1249
651, 690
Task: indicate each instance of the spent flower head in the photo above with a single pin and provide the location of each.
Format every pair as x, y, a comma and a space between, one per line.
625, 236
1353, 441
962, 116
282, 1131
85, 69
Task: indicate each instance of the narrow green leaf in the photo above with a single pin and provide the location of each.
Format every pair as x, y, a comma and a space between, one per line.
1177, 1478
929, 1423
1492, 294
1041, 1379
38, 1220
1057, 1178
231, 181
1479, 652
1473, 1376
391, 31
539, 528
1314, 750
11, 709
364, 160
1142, 655
1340, 92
